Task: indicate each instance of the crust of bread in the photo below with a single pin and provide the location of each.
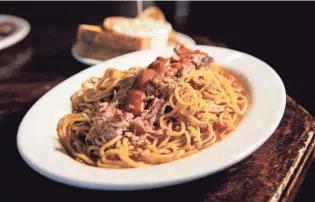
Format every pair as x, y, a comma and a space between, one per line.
100, 52
103, 43
93, 42
88, 32
112, 40
152, 12
122, 42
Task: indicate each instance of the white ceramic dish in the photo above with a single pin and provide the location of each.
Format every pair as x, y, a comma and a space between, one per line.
22, 30
183, 38
158, 34
37, 139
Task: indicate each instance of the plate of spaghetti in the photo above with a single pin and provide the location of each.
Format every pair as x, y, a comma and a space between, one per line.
153, 118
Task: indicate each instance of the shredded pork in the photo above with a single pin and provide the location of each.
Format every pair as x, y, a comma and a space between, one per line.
112, 120
109, 122
165, 85
145, 123
125, 85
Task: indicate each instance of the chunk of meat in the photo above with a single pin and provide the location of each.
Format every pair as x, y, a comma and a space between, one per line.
166, 108
191, 59
152, 113
109, 122
134, 102
165, 85
151, 90
183, 62
145, 123
145, 77
141, 126
186, 68
160, 65
124, 87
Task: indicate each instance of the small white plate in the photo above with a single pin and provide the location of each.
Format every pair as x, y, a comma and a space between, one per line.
183, 38
37, 138
21, 31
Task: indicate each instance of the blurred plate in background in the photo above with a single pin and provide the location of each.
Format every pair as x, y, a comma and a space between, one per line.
21, 28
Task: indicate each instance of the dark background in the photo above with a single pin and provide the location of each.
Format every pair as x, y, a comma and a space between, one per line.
280, 33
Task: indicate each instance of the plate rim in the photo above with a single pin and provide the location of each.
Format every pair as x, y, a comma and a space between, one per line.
15, 38
135, 186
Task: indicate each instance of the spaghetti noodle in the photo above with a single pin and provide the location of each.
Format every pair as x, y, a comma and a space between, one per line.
133, 118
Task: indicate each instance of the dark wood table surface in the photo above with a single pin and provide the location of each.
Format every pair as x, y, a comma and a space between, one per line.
42, 60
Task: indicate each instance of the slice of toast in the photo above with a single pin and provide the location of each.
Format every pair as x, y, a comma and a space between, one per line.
152, 12
87, 33
103, 43
92, 34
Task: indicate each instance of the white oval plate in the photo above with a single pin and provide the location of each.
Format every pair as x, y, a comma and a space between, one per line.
22, 30
183, 38
37, 138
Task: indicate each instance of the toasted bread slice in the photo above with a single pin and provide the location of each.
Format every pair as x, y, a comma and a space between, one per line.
103, 43
112, 40
87, 33
152, 12
122, 42
100, 52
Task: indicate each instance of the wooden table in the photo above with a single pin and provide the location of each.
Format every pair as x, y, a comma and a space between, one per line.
273, 173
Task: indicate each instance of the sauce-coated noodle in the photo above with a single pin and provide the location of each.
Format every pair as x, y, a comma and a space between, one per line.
206, 105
